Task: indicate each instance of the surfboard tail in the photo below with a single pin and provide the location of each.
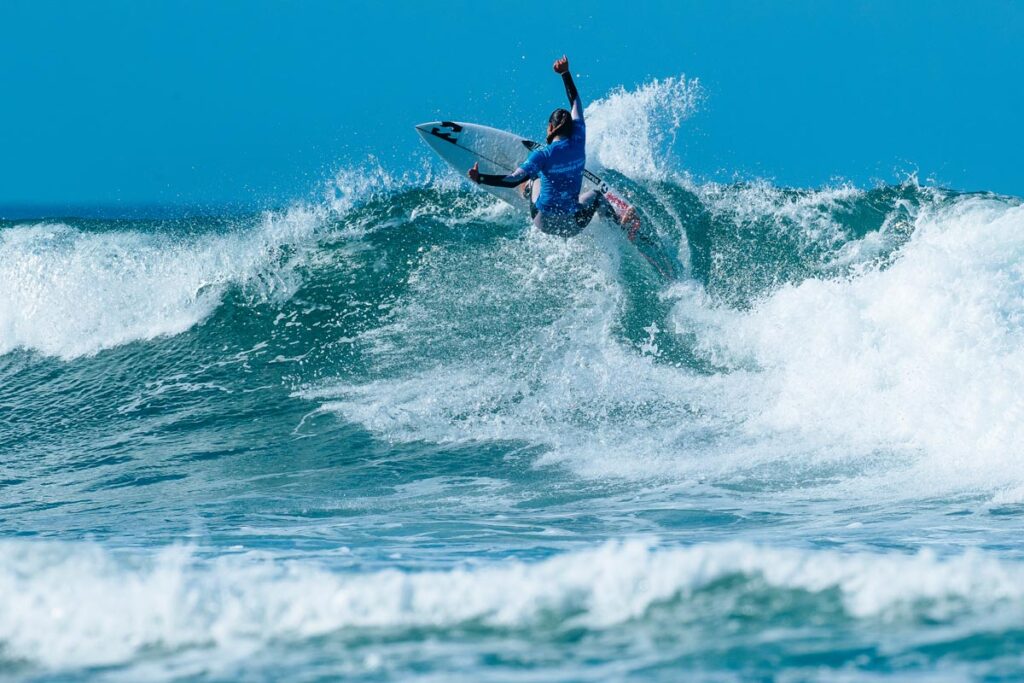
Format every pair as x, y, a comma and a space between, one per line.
646, 242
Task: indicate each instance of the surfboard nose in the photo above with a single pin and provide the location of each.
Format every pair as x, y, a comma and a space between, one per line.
448, 131
425, 128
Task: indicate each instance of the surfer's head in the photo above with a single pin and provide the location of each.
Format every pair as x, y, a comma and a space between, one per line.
559, 123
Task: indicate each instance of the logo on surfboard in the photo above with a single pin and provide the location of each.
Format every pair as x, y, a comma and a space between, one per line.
447, 131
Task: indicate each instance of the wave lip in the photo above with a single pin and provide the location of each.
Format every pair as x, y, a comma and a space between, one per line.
70, 606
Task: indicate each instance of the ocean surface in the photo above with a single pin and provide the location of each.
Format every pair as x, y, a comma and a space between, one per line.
394, 434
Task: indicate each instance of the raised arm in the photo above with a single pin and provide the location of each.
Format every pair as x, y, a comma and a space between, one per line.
561, 66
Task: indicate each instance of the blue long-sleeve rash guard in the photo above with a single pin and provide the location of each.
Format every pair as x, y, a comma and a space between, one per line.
559, 165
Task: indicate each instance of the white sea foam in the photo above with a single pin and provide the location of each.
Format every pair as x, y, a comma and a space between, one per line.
529, 355
73, 605
925, 356
67, 293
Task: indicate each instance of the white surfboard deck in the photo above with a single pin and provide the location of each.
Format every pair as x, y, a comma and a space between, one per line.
500, 152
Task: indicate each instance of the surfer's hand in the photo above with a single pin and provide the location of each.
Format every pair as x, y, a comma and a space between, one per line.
474, 173
561, 66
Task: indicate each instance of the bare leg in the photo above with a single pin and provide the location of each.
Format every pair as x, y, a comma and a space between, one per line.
590, 203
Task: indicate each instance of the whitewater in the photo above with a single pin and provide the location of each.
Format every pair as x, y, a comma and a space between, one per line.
396, 434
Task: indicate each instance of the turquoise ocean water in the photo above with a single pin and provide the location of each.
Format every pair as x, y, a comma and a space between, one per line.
395, 435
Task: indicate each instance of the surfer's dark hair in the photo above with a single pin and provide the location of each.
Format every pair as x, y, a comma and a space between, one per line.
560, 122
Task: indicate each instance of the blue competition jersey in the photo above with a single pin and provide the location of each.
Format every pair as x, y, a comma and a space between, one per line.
560, 166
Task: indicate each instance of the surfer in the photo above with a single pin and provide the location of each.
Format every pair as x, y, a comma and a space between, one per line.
556, 206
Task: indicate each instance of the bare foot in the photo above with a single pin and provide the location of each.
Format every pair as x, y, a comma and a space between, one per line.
628, 216
630, 222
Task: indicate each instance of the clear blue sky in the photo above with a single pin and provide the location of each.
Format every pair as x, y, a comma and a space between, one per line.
208, 102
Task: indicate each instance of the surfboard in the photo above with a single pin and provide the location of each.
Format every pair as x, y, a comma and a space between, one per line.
497, 151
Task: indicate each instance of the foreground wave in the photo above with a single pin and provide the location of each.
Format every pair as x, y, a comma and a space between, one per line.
75, 606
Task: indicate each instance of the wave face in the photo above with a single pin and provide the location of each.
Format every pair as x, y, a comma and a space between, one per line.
396, 435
